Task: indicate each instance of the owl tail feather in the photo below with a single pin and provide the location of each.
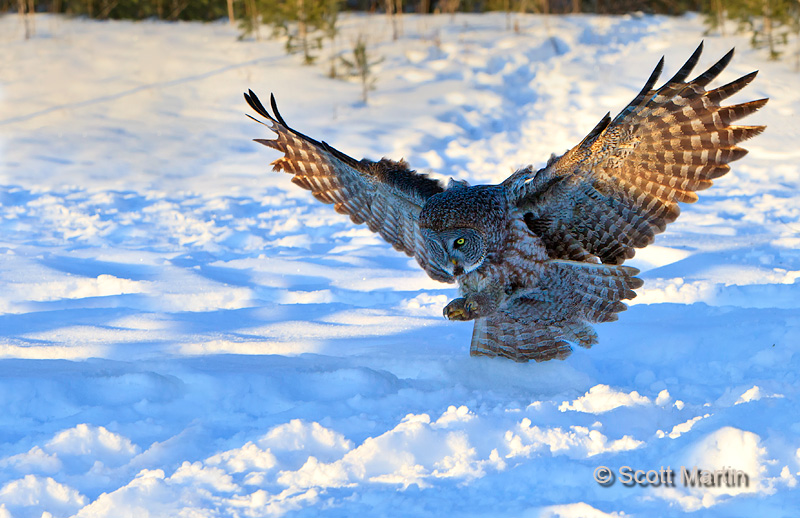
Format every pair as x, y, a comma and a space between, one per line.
499, 335
539, 323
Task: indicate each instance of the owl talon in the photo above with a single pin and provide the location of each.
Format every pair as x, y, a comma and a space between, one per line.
461, 309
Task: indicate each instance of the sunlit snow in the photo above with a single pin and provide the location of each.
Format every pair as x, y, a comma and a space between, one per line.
185, 333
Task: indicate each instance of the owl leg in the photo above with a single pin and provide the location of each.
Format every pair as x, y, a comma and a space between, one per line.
461, 309
470, 307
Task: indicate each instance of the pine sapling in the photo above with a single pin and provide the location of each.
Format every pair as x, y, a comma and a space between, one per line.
361, 66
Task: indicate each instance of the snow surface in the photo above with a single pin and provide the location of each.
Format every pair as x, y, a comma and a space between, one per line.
185, 333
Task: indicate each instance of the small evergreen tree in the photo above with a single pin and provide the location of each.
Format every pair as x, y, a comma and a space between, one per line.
394, 8
251, 21
330, 19
304, 23
770, 22
361, 66
26, 10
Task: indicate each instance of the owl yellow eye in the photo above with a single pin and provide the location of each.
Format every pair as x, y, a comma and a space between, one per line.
460, 242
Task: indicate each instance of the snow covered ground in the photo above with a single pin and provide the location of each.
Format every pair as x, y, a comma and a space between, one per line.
185, 333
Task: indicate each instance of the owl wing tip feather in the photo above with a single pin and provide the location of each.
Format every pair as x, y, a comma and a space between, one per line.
277, 113
255, 103
714, 70
687, 67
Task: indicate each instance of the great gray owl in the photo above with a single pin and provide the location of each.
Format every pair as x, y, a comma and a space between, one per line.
537, 258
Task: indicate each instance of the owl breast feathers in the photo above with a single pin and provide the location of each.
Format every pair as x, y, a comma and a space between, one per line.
538, 258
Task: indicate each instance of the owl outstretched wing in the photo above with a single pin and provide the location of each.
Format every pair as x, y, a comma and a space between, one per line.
386, 195
621, 185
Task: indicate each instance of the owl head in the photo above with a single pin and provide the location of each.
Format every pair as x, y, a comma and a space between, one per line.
456, 250
460, 226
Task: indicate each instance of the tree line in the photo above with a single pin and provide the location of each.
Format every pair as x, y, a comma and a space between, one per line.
208, 10
772, 24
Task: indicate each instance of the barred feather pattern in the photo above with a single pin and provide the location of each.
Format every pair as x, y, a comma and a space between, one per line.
620, 186
539, 323
546, 303
385, 195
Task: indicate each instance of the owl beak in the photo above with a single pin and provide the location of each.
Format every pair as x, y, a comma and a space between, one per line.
457, 270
